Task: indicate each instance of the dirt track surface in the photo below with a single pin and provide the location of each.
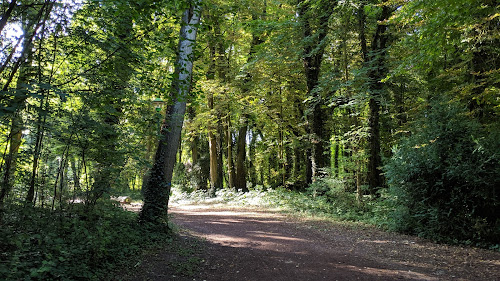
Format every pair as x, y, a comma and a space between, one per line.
245, 244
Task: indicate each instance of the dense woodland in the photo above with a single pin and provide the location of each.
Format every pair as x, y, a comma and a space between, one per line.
376, 103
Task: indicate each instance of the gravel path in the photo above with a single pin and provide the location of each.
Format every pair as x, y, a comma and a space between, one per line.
247, 244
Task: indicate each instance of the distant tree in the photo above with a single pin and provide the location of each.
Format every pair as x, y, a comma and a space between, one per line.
314, 17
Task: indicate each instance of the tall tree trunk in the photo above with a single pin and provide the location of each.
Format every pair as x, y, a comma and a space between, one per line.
297, 160
229, 145
309, 166
288, 164
11, 158
336, 159
197, 168
241, 171
215, 131
375, 60
75, 170
38, 148
42, 118
312, 56
215, 179
157, 191
219, 137
252, 171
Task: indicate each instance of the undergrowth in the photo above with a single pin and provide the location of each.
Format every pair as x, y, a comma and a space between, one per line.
340, 205
74, 244
322, 199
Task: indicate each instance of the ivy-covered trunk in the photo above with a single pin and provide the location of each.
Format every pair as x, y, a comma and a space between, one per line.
375, 61
157, 189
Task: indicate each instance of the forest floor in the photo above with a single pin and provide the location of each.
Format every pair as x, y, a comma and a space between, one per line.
218, 243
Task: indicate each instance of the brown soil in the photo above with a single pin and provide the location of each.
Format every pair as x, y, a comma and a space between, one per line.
222, 243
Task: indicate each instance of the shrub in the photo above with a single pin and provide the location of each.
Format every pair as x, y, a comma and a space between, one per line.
446, 177
76, 244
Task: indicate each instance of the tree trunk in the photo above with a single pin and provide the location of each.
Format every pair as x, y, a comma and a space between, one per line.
38, 148
312, 56
75, 169
219, 137
241, 171
297, 160
309, 164
196, 172
215, 181
252, 171
157, 191
7, 14
288, 164
336, 159
214, 128
229, 145
376, 62
11, 159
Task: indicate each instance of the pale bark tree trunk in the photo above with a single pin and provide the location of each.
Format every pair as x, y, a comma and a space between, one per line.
157, 190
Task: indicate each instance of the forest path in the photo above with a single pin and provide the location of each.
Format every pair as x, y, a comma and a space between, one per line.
252, 244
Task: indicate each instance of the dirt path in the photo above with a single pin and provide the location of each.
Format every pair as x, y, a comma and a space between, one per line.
244, 244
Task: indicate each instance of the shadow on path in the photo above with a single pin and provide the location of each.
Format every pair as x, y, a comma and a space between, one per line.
240, 244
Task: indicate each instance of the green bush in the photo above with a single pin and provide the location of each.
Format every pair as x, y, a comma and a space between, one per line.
446, 178
76, 244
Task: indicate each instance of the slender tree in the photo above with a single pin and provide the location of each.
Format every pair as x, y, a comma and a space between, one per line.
157, 189
375, 61
314, 19
32, 21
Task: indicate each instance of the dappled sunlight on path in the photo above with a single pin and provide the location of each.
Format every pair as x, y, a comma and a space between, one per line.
259, 245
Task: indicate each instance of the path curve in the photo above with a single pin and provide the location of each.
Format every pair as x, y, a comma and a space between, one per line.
247, 244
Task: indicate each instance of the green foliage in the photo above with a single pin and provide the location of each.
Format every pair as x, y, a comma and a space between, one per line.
180, 177
446, 177
79, 244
